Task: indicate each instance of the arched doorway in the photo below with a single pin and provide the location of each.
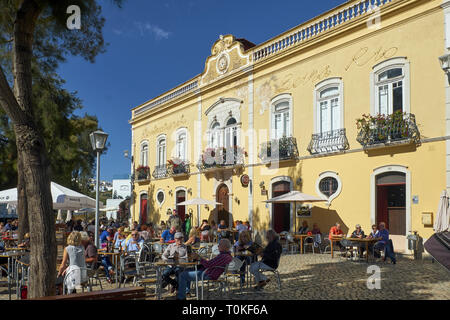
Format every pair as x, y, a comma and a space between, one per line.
181, 197
391, 201
281, 212
223, 210
143, 209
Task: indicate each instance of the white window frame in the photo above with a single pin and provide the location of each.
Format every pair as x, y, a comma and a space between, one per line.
228, 130
156, 197
179, 133
158, 143
285, 97
144, 156
398, 62
329, 174
320, 87
216, 134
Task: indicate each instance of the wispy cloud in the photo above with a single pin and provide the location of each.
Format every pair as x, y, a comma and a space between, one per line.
145, 28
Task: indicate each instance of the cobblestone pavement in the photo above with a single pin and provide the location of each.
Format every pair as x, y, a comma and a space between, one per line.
318, 277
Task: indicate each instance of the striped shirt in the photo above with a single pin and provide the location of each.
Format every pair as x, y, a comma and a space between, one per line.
223, 259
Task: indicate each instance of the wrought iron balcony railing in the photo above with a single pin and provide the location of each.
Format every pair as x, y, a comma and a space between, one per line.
280, 149
390, 129
160, 172
142, 174
221, 158
330, 141
178, 169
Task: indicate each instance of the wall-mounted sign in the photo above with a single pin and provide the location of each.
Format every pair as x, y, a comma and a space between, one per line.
264, 192
245, 180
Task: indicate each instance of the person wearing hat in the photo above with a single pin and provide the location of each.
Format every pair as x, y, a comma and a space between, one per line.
174, 251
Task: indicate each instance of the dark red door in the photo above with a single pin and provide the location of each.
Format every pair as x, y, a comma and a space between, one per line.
222, 196
281, 212
143, 213
181, 197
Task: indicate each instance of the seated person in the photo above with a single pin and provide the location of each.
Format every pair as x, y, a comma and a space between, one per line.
304, 228
358, 233
168, 236
247, 224
336, 231
175, 251
270, 259
222, 260
383, 243
373, 232
239, 228
204, 229
193, 237
244, 242
315, 229
134, 244
106, 236
223, 230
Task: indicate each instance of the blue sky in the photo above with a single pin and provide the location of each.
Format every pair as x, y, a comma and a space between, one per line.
156, 45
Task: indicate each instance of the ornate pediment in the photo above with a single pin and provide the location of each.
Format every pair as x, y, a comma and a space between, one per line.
227, 56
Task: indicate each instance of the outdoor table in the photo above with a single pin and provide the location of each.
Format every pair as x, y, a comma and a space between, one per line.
333, 239
302, 237
366, 241
10, 255
116, 261
182, 263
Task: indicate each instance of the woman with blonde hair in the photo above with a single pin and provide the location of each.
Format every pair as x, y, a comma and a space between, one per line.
74, 255
193, 237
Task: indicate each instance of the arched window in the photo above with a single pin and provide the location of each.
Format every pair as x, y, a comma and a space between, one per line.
144, 154
281, 116
161, 152
390, 87
329, 106
231, 133
181, 146
214, 135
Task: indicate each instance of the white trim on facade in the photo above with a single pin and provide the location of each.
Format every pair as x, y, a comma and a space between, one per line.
160, 204
327, 174
399, 62
325, 84
373, 202
283, 97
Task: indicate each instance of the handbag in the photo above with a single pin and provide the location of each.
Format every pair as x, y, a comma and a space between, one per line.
438, 246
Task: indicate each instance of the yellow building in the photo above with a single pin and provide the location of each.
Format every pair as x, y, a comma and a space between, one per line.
286, 111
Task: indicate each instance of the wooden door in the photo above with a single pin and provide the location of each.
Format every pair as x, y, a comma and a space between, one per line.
222, 196
181, 197
143, 213
281, 212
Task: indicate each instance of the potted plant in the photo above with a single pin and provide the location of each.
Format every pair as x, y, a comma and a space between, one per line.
142, 172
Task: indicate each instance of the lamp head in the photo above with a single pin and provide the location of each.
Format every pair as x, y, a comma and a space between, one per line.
98, 140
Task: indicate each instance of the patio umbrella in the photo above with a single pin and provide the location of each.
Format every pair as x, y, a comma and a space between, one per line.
198, 202
442, 222
295, 197
63, 198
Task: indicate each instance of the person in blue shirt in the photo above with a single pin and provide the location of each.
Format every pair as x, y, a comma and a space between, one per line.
384, 243
106, 236
135, 243
168, 235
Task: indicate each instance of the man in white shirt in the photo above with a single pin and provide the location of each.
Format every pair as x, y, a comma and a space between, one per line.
174, 251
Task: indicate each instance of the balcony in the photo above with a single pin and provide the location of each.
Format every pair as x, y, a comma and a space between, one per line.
160, 172
394, 129
142, 174
178, 168
221, 158
330, 141
279, 150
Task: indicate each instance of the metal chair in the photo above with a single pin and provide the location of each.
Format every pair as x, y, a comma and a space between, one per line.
308, 244
275, 273
222, 280
129, 265
92, 273
325, 243
214, 251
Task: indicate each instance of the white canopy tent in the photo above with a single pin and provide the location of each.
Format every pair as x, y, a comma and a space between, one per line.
63, 198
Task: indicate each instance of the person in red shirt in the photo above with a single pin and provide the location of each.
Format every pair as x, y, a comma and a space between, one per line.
336, 231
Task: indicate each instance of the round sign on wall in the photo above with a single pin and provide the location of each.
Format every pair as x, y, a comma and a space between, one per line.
245, 180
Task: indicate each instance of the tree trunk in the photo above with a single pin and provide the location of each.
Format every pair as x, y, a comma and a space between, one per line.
31, 154
22, 205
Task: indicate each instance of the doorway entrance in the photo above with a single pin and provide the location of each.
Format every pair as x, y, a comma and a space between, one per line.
223, 197
281, 212
143, 209
181, 197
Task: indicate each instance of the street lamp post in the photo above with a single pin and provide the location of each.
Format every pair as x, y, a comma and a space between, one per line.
98, 142
130, 207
